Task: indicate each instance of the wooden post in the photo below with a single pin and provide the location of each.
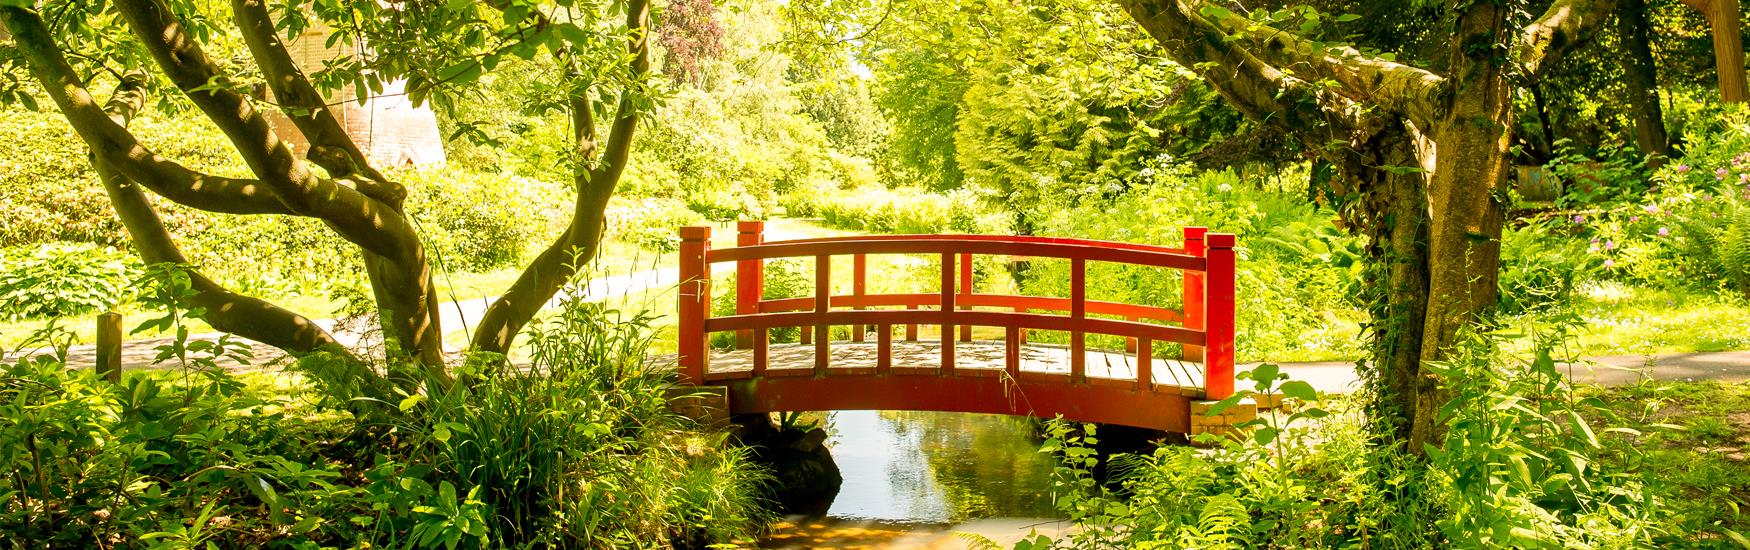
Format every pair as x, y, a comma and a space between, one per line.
822, 304
1218, 363
1078, 312
1192, 313
947, 312
695, 304
859, 285
966, 288
109, 346
1145, 357
750, 278
911, 329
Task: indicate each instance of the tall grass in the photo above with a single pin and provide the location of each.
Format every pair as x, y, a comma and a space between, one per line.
579, 448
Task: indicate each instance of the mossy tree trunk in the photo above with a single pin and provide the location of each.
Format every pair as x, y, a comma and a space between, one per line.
1420, 157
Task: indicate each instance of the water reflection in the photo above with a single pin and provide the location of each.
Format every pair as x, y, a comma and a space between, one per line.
912, 479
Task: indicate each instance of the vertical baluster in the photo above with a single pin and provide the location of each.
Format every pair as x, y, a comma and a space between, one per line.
1218, 343
1130, 342
1145, 359
1192, 312
822, 304
750, 278
1078, 312
1012, 352
884, 349
859, 264
694, 299
911, 329
966, 289
947, 313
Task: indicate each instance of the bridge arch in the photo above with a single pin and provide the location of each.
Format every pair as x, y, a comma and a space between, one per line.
956, 373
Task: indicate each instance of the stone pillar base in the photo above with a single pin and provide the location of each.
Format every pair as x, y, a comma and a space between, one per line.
707, 405
1225, 423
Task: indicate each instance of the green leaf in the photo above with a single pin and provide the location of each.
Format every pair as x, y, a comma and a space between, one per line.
1299, 389
1264, 435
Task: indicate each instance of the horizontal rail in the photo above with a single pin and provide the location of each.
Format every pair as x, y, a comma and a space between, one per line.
1097, 251
1011, 301
1032, 321
996, 238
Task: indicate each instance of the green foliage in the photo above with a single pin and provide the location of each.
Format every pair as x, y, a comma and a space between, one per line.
1522, 466
1295, 275
1539, 269
479, 222
786, 278
579, 450
903, 210
1520, 461
62, 280
650, 223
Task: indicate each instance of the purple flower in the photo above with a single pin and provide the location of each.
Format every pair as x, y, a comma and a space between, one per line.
1744, 177
1664, 232
1579, 219
1610, 245
1594, 240
1609, 262
1651, 208
1720, 174
1634, 218
1683, 168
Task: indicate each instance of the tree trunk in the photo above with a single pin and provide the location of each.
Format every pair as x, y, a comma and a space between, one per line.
1464, 245
1729, 51
1392, 214
1642, 78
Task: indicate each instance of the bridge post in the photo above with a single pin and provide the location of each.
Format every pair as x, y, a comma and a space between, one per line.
694, 303
1192, 310
750, 278
966, 289
1218, 361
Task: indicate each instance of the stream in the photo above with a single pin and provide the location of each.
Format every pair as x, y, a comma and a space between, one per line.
921, 479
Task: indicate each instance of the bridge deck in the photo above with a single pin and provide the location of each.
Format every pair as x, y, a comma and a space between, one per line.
977, 355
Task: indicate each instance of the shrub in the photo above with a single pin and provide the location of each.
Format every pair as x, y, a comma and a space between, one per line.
785, 278
1521, 467
578, 450
650, 223
479, 222
60, 280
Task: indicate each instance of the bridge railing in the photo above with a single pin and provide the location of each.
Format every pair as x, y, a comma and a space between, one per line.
1204, 328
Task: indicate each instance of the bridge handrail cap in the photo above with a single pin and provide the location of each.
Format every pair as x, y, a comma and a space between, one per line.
1220, 240
696, 233
750, 226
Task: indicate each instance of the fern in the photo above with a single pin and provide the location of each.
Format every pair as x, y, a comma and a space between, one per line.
1733, 249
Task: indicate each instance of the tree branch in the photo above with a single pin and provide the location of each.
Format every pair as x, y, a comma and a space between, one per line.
115, 145
330, 146
1566, 24
1257, 89
227, 311
1395, 87
377, 227
595, 186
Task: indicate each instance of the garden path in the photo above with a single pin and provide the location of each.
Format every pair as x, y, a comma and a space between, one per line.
459, 314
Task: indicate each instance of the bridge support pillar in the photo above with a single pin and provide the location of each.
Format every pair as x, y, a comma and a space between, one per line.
707, 405
1223, 424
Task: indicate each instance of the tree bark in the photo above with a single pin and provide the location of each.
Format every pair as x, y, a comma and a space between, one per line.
393, 253
227, 311
1642, 78
1729, 51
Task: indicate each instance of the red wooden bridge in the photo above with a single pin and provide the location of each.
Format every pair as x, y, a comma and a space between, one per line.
1006, 375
